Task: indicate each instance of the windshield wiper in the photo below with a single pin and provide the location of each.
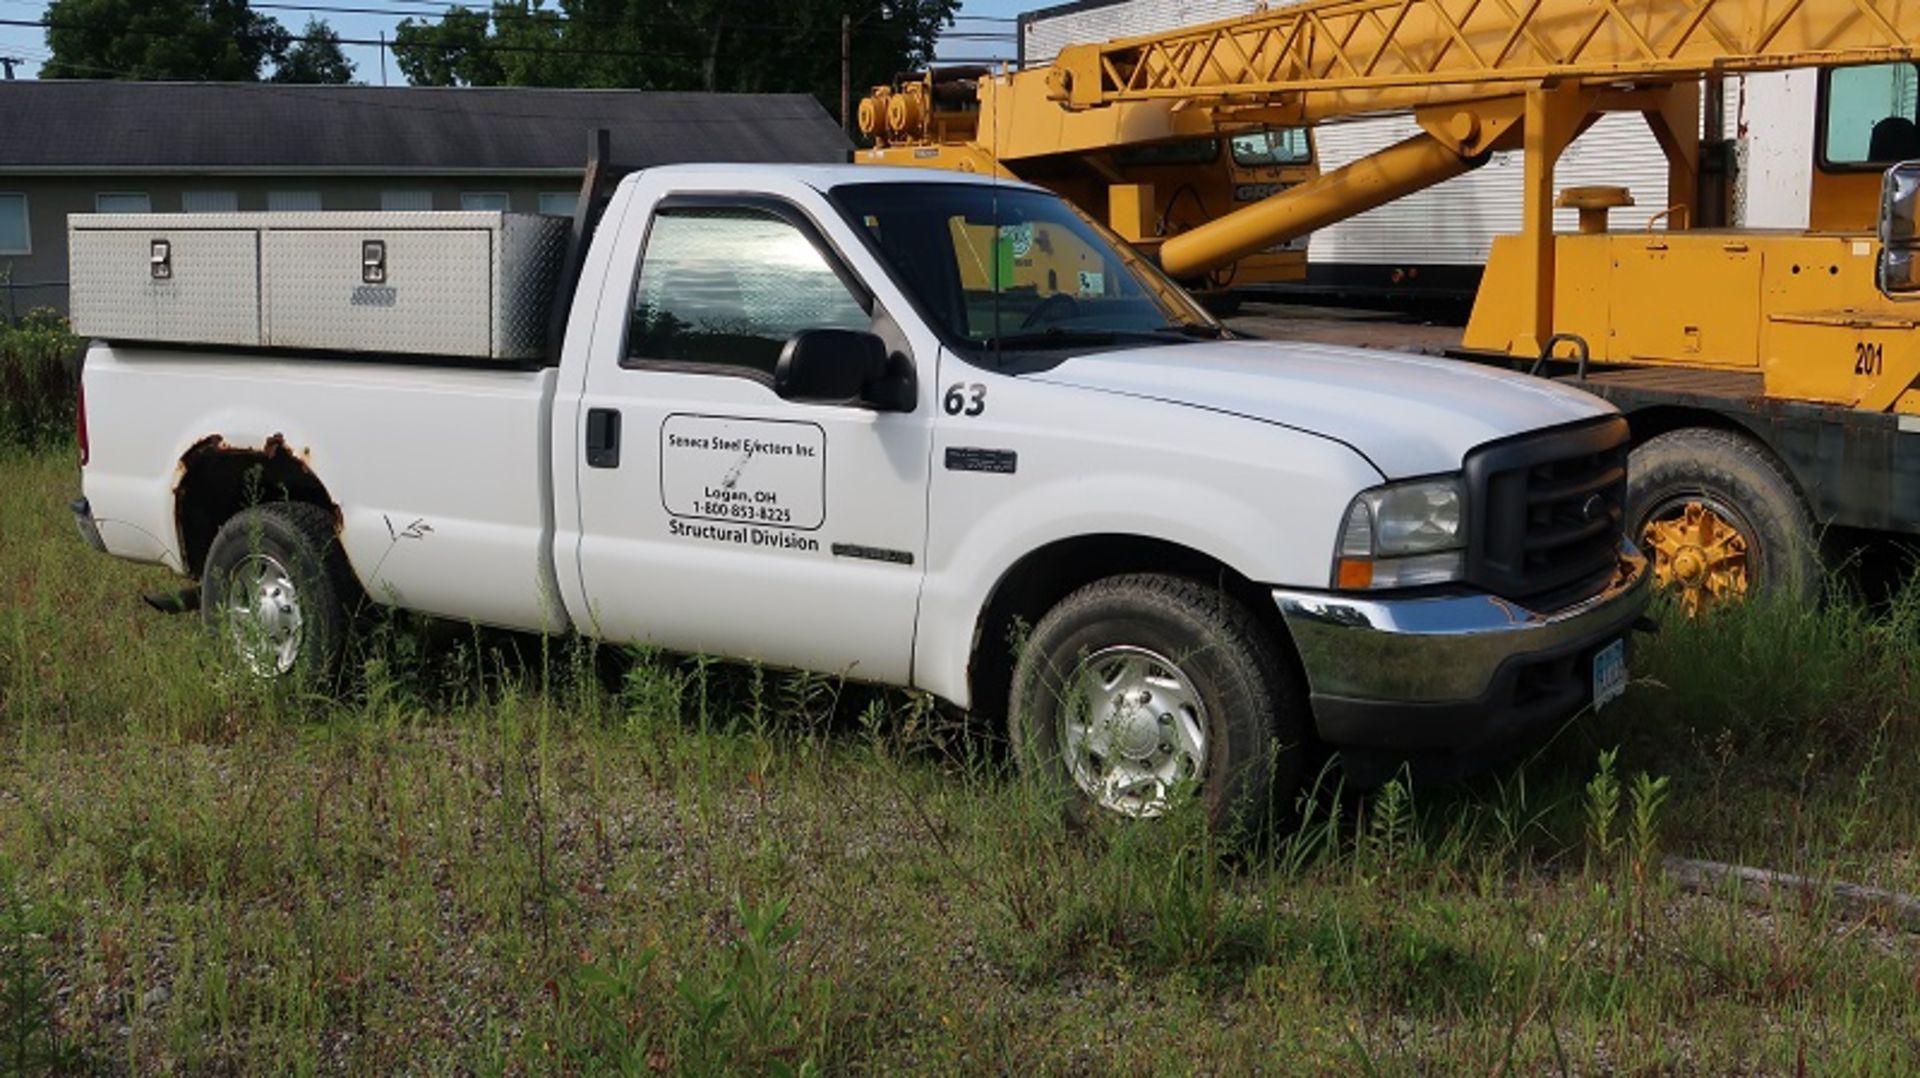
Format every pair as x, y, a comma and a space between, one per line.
1060, 337
1055, 337
1199, 330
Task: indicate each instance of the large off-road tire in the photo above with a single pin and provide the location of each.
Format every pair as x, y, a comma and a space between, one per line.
1137, 689
1721, 518
276, 588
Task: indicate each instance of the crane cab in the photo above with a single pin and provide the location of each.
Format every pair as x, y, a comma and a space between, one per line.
1798, 312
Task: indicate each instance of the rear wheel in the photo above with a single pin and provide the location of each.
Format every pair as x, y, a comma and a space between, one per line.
275, 587
1721, 519
1136, 690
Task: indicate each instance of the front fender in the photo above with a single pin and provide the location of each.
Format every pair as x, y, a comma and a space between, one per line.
1262, 500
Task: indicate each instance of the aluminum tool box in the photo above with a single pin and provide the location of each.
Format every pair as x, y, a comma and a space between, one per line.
468, 284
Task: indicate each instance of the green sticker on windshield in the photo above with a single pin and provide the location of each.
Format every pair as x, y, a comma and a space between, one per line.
1011, 243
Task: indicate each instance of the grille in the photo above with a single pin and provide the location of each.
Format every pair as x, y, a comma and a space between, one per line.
1547, 511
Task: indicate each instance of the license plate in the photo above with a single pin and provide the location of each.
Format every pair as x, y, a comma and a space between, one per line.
1609, 673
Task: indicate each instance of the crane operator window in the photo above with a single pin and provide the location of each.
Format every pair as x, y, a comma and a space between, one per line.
1870, 116
1272, 146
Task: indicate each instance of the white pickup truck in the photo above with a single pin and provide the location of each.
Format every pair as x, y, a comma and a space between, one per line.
924, 430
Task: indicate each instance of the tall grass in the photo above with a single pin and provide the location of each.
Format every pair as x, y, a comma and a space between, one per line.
38, 365
498, 855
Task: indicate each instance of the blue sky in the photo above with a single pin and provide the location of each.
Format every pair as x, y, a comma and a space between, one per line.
29, 43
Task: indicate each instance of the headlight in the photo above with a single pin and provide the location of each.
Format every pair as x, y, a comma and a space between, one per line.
1403, 535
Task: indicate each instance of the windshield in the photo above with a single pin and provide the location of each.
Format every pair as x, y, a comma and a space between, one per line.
1012, 268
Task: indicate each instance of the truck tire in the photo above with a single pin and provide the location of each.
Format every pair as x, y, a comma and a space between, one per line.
1721, 519
276, 587
1135, 686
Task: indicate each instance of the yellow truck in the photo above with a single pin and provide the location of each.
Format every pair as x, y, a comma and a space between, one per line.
1769, 374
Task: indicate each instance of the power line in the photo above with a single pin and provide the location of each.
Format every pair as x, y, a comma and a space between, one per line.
413, 8
553, 50
495, 47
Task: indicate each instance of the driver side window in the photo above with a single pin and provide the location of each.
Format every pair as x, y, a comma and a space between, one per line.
726, 286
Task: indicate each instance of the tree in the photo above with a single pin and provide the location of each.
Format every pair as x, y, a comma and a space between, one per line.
316, 57
182, 40
725, 45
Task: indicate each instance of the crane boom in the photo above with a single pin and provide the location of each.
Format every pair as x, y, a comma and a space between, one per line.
1351, 57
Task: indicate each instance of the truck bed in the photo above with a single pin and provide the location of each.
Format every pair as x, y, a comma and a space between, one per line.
374, 433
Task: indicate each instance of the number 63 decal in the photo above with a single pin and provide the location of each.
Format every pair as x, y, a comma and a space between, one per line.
963, 399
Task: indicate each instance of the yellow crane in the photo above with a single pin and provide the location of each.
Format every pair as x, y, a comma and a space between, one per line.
1770, 379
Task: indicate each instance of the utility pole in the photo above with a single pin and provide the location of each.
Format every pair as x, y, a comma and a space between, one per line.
8, 62
383, 57
846, 73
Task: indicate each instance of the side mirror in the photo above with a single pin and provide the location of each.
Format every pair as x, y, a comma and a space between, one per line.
843, 366
1898, 272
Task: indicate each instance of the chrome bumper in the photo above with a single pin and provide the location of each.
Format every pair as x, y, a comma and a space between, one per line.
1446, 649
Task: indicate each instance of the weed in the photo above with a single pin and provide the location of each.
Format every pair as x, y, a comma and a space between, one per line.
37, 383
30, 1038
1644, 800
750, 1009
1603, 806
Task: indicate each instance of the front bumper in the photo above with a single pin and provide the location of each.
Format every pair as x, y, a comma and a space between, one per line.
1456, 672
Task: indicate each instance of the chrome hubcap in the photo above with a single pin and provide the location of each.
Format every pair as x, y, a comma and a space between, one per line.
1133, 730
263, 613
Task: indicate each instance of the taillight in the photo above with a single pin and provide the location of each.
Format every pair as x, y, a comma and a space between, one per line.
80, 424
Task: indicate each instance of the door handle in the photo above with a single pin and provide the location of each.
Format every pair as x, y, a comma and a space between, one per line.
603, 437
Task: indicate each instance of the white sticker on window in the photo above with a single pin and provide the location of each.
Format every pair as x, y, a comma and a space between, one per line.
748, 472
1019, 236
1092, 283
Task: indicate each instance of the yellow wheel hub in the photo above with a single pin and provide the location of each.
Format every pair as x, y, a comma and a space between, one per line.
1699, 556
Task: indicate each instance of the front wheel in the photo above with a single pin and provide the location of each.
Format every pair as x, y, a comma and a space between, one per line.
276, 586
1721, 519
1136, 690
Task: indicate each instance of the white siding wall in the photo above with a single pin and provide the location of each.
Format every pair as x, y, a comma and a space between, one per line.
1775, 126
1454, 223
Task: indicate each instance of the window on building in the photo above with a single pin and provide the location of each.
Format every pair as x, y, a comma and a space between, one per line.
726, 287
15, 237
209, 201
558, 203
1272, 146
293, 201
484, 200
1870, 115
406, 200
122, 202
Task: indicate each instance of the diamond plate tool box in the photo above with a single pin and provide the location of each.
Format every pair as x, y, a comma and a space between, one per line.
475, 285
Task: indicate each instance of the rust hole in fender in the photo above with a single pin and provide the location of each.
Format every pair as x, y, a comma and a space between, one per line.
214, 479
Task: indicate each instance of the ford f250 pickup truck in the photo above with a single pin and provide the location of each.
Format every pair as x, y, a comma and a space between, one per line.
913, 428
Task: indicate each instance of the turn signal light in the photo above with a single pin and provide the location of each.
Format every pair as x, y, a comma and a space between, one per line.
1356, 573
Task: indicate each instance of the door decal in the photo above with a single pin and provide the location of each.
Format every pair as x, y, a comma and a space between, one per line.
752, 474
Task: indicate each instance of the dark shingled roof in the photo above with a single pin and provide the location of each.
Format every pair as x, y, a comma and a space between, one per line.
81, 126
